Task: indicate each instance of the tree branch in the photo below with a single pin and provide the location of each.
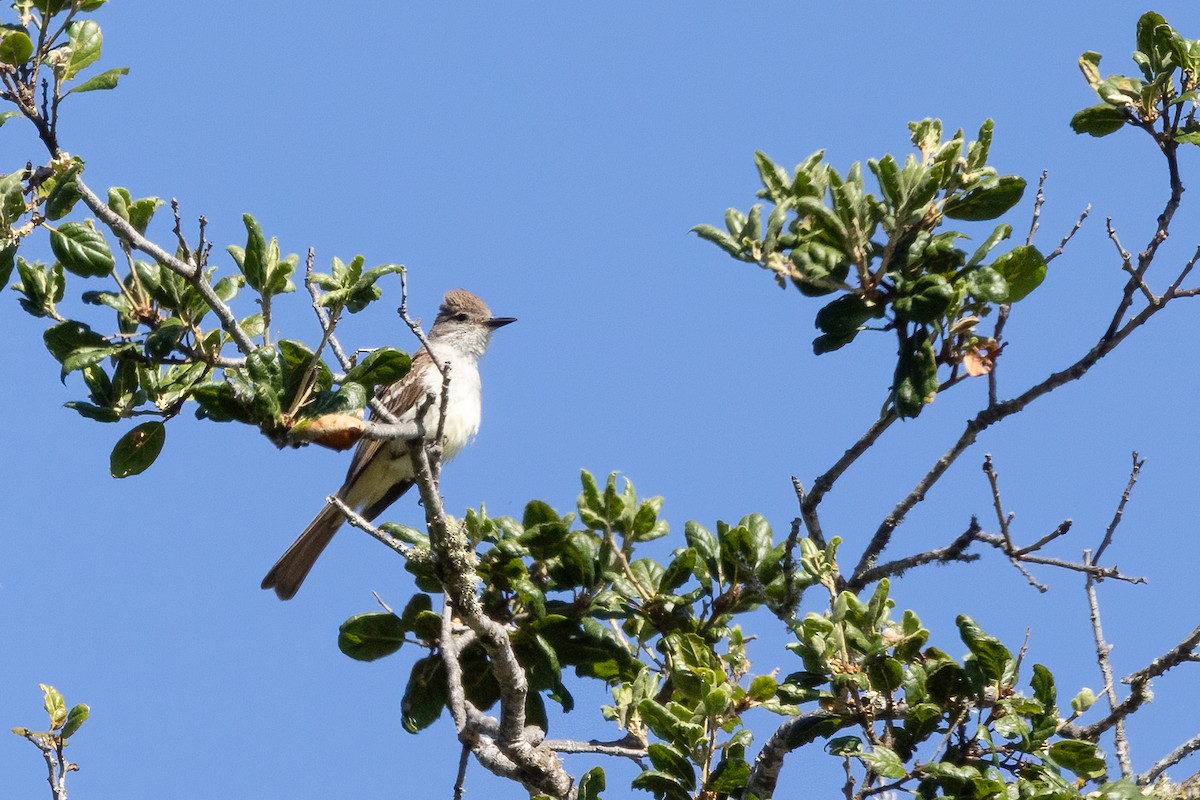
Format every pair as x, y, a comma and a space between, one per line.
189, 272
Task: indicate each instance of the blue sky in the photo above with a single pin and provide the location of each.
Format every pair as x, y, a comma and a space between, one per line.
551, 158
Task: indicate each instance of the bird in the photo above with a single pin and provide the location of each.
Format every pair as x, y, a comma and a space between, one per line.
381, 471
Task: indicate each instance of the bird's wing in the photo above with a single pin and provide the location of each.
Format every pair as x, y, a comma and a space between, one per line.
402, 399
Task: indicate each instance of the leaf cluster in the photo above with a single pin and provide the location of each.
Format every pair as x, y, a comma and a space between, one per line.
64, 723
886, 260
1160, 99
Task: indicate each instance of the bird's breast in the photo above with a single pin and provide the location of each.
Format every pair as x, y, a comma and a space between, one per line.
462, 406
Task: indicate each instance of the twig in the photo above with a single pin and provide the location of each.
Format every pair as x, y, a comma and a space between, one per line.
1173, 289
1063, 528
825, 481
629, 747
1094, 570
994, 482
1135, 276
993, 413
1161, 232
1169, 760
57, 765
356, 520
189, 272
327, 325
1103, 649
1139, 693
1038, 201
1058, 251
1116, 520
459, 782
955, 551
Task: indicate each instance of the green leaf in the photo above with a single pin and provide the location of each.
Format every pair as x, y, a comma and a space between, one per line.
254, 266
1089, 65
818, 269
1099, 120
591, 784
366, 637
670, 760
977, 151
380, 368
15, 47
81, 249
843, 746
776, 181
217, 401
1044, 692
1023, 268
703, 542
987, 200
260, 263
731, 773
721, 240
985, 283
915, 381
71, 341
762, 688
1079, 757
884, 761
924, 300
992, 656
810, 727
63, 192
425, 696
661, 785
999, 234
5, 116
137, 449
55, 706
886, 674
841, 320
265, 369
8, 260
85, 46
105, 80
75, 719
141, 211
164, 339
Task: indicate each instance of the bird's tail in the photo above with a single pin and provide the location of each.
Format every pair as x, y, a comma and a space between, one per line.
293, 566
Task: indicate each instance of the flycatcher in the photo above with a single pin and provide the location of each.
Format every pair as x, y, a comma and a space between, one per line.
381, 470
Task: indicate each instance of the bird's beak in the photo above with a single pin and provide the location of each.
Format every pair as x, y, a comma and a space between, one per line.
499, 322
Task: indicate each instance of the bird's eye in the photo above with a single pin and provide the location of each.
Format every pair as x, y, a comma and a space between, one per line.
461, 316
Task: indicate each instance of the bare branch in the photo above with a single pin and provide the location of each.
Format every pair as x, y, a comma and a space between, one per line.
1127, 263
1058, 251
460, 781
356, 520
57, 765
1094, 570
993, 413
1169, 760
629, 747
955, 551
1116, 520
1161, 232
1063, 528
1038, 201
1139, 688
